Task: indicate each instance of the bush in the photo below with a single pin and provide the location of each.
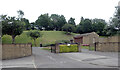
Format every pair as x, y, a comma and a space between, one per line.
50, 44
63, 41
71, 48
64, 48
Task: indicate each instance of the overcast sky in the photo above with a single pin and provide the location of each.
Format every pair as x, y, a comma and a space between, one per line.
103, 9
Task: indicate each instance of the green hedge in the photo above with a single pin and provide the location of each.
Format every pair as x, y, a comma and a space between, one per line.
71, 48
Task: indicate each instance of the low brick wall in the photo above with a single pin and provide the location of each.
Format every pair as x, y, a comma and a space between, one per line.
10, 51
108, 46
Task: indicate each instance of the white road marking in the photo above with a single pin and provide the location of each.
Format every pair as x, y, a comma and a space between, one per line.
51, 58
34, 63
75, 59
55, 59
63, 62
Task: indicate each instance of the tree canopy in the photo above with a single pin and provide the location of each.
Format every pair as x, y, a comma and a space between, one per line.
99, 26
68, 28
43, 21
12, 26
20, 14
58, 21
71, 21
53, 22
85, 26
114, 27
34, 35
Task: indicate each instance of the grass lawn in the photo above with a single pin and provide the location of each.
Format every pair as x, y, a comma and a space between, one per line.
87, 47
47, 38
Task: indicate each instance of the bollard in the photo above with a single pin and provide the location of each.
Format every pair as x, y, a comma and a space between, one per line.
40, 45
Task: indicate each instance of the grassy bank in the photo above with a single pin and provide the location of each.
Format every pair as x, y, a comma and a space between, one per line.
47, 38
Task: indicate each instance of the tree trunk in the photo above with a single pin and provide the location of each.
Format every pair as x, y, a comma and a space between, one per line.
13, 39
35, 42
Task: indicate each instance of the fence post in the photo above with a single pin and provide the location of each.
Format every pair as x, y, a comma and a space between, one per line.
51, 49
79, 47
95, 46
57, 48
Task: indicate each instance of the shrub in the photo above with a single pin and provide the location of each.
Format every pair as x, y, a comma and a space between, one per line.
49, 44
64, 48
63, 41
71, 48
34, 34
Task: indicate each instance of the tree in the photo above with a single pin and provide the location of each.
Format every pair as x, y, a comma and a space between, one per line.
53, 22
12, 26
85, 26
32, 25
79, 27
43, 21
34, 34
71, 21
20, 17
20, 14
27, 24
114, 27
58, 21
68, 28
99, 26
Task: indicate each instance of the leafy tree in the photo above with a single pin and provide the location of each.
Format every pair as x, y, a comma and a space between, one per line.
27, 24
33, 25
20, 14
82, 20
68, 28
12, 26
43, 21
34, 34
51, 25
85, 26
79, 28
53, 22
71, 21
58, 21
99, 26
114, 27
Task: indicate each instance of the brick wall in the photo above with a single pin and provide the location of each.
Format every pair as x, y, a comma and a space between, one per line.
108, 46
10, 51
110, 39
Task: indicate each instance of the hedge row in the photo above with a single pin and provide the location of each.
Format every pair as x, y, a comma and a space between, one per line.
71, 48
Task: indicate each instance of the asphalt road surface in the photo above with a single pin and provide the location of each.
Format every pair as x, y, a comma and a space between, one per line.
46, 59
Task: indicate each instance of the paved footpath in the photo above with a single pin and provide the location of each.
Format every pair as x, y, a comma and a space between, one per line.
46, 59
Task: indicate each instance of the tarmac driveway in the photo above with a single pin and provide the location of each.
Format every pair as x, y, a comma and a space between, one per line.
46, 59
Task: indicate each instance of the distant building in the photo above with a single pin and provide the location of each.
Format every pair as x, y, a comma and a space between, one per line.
87, 38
